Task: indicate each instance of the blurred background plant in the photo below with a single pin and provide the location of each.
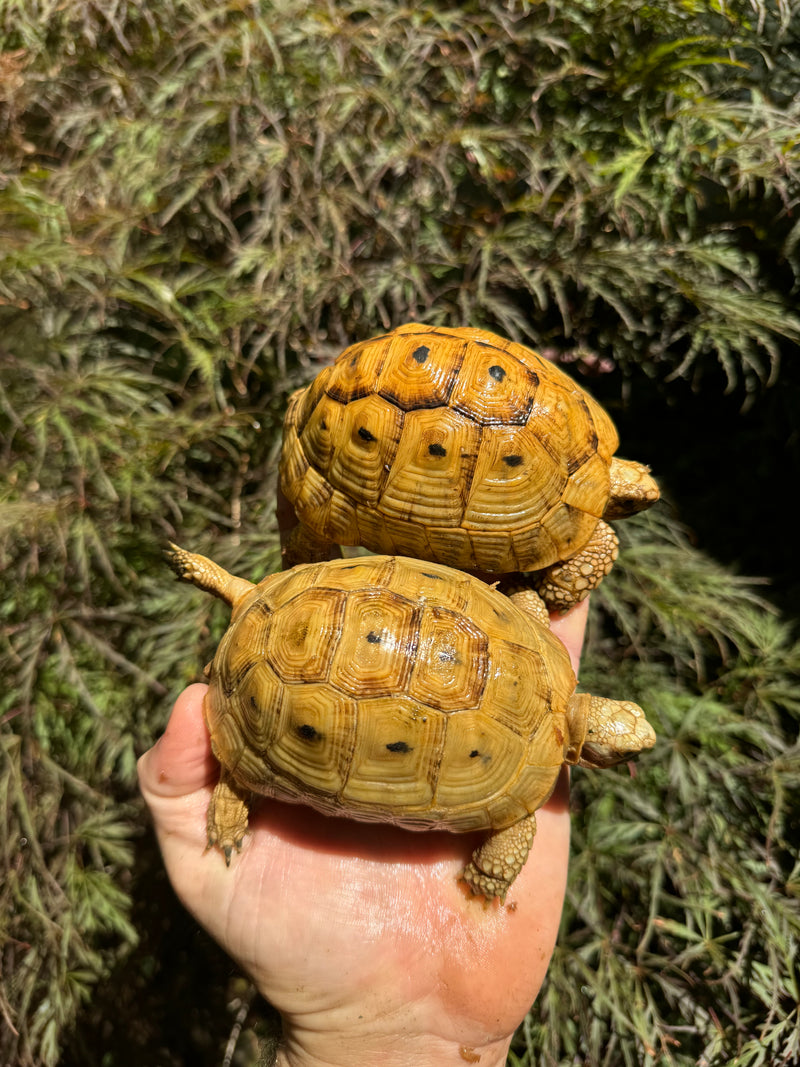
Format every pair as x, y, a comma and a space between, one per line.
200, 204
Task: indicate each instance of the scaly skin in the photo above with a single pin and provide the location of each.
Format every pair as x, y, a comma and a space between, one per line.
565, 584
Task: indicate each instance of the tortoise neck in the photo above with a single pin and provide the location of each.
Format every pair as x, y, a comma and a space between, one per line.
577, 722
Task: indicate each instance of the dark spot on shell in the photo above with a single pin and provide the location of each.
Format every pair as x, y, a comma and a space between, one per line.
497, 373
399, 746
373, 638
253, 703
308, 733
512, 461
421, 354
323, 424
436, 577
437, 450
448, 655
474, 753
365, 435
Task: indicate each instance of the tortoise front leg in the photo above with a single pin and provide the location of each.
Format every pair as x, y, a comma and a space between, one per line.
498, 861
566, 584
228, 814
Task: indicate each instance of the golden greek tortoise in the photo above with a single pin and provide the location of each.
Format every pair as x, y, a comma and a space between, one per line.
457, 446
389, 689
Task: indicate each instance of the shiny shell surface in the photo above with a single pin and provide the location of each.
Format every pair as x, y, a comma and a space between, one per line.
453, 445
390, 689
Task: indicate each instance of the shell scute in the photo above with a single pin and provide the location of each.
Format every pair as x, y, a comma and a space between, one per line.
227, 739
323, 431
354, 373
368, 436
453, 544
480, 759
303, 402
588, 487
518, 690
241, 647
260, 696
422, 370
378, 642
451, 668
535, 783
314, 739
335, 514
561, 421
304, 635
398, 747
494, 388
432, 581
516, 483
432, 468
568, 528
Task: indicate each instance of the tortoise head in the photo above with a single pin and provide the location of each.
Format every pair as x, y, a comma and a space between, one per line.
633, 489
604, 732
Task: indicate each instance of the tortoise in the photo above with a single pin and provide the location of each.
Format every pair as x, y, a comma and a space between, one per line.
463, 448
389, 689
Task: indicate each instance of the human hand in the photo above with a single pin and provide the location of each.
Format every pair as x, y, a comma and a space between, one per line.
360, 934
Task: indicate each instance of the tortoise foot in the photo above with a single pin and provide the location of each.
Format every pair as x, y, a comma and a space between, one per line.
228, 814
498, 861
565, 584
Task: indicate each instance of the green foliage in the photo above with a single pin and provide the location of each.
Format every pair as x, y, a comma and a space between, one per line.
623, 176
199, 203
681, 927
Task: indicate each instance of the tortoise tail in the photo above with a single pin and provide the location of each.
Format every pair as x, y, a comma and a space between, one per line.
207, 575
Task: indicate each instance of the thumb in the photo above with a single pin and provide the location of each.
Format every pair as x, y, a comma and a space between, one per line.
570, 629
181, 761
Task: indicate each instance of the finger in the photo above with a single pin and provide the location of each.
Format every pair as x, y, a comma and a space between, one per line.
181, 761
570, 628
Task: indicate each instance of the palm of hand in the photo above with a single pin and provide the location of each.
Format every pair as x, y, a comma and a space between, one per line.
359, 930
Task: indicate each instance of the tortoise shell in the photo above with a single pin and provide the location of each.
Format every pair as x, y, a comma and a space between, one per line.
388, 689
452, 445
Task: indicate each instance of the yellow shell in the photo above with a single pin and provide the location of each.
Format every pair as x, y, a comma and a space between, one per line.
393, 690
452, 445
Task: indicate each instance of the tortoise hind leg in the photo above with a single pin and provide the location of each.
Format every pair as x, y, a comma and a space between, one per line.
527, 600
228, 814
497, 862
302, 545
565, 584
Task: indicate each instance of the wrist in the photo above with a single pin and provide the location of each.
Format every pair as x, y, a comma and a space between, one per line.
318, 1049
